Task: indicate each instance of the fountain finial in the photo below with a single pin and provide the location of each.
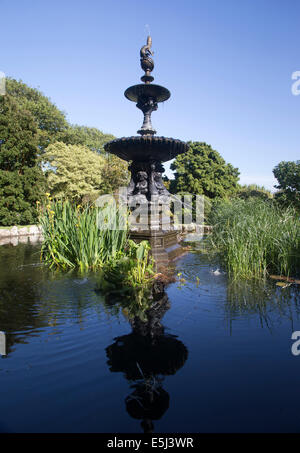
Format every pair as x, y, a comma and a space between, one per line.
147, 95
147, 62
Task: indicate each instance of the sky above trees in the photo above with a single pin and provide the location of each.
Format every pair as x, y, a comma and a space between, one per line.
228, 65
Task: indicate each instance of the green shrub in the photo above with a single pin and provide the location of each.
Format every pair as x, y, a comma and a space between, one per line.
253, 191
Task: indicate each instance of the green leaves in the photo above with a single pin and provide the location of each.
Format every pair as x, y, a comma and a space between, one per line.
288, 176
22, 183
128, 277
141, 250
79, 174
72, 238
50, 121
203, 171
76, 171
91, 137
32, 127
256, 237
253, 191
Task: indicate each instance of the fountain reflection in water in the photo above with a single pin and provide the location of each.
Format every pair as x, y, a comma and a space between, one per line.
146, 356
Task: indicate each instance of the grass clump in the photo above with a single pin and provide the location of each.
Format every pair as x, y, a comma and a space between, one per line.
255, 238
72, 238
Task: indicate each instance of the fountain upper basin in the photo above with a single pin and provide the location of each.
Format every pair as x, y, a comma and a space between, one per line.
157, 92
146, 148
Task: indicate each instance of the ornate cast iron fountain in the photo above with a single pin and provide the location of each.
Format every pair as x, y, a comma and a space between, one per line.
146, 153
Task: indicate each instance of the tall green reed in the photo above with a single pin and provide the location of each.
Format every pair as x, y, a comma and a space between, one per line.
73, 239
255, 238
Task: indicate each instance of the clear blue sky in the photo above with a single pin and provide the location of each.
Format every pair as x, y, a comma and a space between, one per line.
227, 63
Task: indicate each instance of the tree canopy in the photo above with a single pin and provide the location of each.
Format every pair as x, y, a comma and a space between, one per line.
22, 182
253, 191
51, 122
33, 129
288, 177
91, 137
76, 172
202, 170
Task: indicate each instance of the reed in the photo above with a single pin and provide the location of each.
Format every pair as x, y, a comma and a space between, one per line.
255, 238
72, 238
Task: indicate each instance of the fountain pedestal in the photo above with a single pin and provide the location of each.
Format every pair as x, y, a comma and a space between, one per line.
164, 244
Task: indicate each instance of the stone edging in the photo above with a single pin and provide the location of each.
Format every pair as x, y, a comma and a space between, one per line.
15, 231
192, 228
21, 235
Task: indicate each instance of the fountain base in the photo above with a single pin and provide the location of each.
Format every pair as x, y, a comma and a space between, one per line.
164, 244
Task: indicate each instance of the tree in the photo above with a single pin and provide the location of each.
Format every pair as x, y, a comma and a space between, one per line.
166, 182
76, 173
51, 126
51, 121
253, 191
91, 137
22, 182
202, 170
115, 174
288, 177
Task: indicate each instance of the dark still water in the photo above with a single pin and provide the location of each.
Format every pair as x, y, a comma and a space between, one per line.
219, 360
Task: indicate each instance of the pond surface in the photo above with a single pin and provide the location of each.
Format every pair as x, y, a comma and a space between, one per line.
220, 362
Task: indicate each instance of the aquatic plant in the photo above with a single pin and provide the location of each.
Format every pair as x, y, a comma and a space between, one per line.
72, 237
254, 238
129, 277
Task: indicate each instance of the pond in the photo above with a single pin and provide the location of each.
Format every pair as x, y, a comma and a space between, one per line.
220, 361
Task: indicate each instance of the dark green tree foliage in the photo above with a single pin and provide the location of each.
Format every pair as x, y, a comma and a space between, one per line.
288, 177
21, 180
202, 170
51, 121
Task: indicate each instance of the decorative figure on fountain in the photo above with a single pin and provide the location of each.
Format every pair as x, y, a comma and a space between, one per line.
146, 179
157, 185
147, 62
141, 187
